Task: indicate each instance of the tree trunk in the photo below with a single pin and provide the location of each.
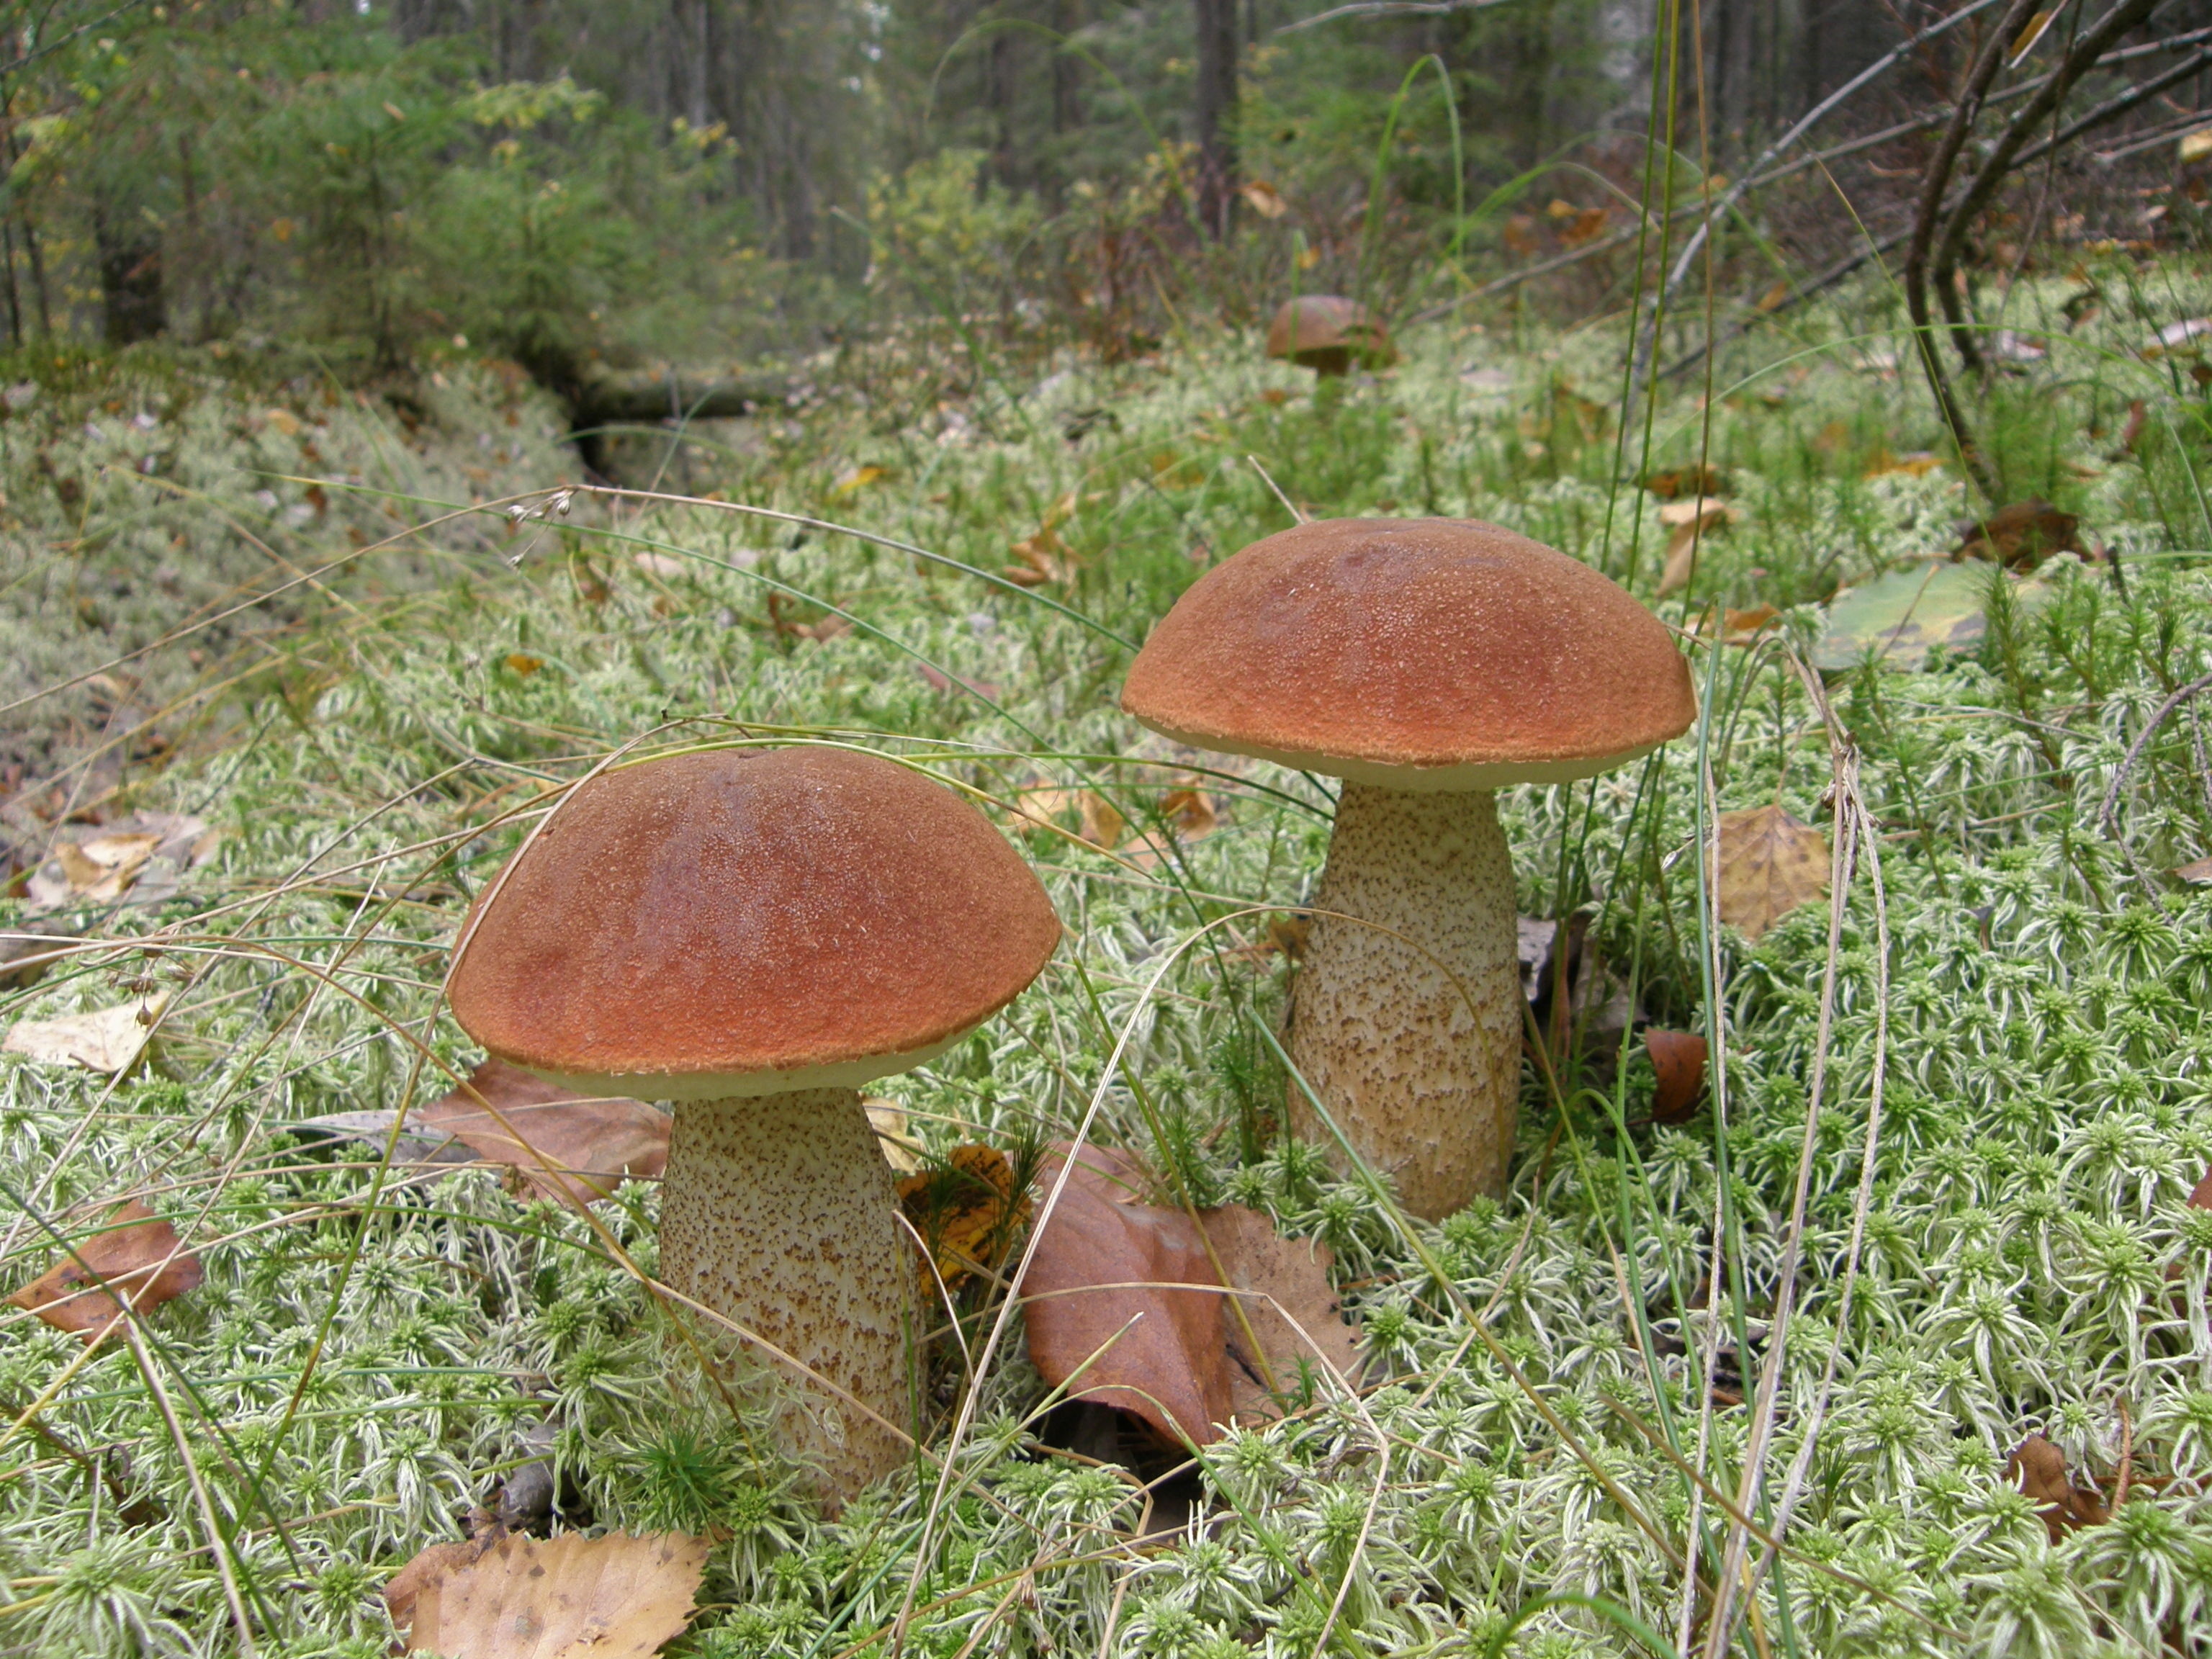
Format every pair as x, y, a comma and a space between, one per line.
1217, 112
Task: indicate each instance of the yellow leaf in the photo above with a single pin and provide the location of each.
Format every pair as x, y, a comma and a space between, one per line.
283, 420
1264, 199
2196, 146
1103, 826
860, 477
1309, 258
1770, 863
521, 663
2024, 42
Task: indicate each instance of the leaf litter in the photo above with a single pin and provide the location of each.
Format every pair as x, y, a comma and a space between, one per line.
1125, 1308
136, 1255
1770, 863
506, 1595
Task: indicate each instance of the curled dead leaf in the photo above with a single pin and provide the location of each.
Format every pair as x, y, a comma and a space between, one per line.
591, 1142
1770, 863
136, 1255
1679, 1058
894, 1135
2038, 1469
2199, 871
613, 1597
1264, 199
2021, 536
1103, 824
1125, 1308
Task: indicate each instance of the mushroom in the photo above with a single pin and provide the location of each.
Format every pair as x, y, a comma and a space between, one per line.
1428, 663
1325, 332
752, 933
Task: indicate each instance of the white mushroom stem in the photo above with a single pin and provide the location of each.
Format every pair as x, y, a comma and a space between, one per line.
1409, 1029
778, 1213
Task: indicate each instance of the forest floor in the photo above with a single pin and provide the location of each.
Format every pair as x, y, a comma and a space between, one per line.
276, 714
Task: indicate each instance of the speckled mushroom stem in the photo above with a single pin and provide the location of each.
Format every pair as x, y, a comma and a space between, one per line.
778, 1211
1422, 1075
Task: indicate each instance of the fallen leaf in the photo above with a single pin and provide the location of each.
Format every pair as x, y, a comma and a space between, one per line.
522, 663
2038, 1469
28, 949
1119, 1309
1103, 824
142, 856
823, 630
1679, 1058
593, 1142
1898, 618
105, 1040
1775, 297
1103, 1307
1586, 225
612, 1597
2021, 536
965, 1215
2200, 871
1264, 199
138, 1256
1289, 1310
940, 681
1690, 522
2196, 146
2174, 335
1191, 813
1702, 479
1914, 463
1044, 556
894, 1135
860, 477
662, 565
283, 420
1742, 627
1770, 864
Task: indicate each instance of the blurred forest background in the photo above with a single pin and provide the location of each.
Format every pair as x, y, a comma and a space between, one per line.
583, 187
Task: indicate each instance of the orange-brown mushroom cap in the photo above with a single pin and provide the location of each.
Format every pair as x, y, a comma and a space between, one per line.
1415, 653
746, 921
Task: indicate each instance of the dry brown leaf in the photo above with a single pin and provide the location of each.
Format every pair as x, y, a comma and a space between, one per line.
860, 477
1263, 198
894, 1135
137, 1255
1689, 523
662, 565
2200, 871
1770, 864
595, 1141
1192, 812
1101, 824
2021, 536
1701, 479
613, 1597
940, 681
2038, 1469
1115, 1292
105, 1040
1102, 1310
1679, 1058
1291, 1309
1914, 463
963, 1216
